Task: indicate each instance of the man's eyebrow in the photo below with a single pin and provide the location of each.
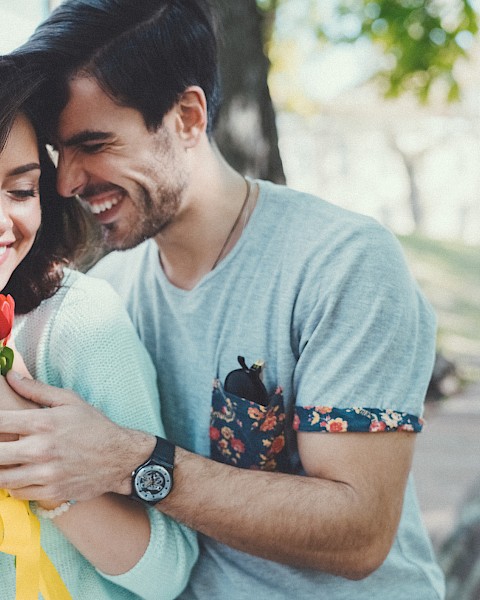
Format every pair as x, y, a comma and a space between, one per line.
24, 169
86, 136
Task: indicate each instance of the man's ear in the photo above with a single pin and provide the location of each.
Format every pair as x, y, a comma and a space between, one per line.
191, 115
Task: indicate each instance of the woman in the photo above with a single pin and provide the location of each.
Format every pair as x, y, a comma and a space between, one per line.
73, 332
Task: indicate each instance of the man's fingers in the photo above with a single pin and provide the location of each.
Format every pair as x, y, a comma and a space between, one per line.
40, 393
25, 451
20, 477
21, 482
32, 492
21, 422
40, 482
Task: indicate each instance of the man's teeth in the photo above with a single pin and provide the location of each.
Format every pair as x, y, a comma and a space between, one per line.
103, 206
3, 249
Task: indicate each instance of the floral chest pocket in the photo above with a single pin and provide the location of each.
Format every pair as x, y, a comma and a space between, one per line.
247, 434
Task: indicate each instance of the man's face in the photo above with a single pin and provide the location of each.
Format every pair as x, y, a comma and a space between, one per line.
130, 178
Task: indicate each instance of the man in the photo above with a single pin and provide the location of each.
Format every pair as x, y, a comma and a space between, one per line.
219, 268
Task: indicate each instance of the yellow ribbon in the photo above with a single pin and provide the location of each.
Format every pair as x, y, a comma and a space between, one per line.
20, 536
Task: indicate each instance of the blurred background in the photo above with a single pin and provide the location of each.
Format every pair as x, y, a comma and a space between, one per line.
374, 105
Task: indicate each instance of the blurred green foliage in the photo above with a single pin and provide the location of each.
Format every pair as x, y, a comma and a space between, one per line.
449, 274
421, 40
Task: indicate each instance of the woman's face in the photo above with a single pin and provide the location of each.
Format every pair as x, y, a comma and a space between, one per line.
20, 213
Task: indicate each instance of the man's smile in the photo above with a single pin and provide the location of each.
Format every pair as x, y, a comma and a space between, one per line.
99, 200
100, 207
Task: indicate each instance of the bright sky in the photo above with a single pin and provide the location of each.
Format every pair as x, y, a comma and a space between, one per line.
323, 74
18, 19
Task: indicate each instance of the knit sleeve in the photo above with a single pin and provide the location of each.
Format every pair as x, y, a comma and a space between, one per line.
94, 350
163, 571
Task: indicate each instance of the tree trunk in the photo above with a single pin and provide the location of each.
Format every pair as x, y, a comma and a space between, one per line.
246, 132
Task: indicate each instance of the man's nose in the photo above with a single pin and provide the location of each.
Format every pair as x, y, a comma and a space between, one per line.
71, 176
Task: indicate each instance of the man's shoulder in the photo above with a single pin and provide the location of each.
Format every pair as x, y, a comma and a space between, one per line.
122, 268
305, 211
310, 226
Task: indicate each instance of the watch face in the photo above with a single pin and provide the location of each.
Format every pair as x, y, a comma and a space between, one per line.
152, 483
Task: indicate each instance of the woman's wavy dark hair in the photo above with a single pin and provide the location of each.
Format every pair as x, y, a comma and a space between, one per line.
65, 226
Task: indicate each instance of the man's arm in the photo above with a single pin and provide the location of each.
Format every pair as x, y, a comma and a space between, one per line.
342, 519
74, 451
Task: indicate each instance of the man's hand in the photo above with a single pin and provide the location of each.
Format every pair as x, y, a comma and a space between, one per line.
69, 451
9, 400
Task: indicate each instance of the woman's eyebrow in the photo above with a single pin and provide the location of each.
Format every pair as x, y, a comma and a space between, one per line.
24, 169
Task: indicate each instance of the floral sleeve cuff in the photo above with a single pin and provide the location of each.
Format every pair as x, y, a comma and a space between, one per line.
336, 420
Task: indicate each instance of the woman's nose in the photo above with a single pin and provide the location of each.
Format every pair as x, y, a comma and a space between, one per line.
5, 220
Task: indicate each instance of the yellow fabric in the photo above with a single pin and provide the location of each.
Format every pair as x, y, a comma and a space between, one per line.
20, 536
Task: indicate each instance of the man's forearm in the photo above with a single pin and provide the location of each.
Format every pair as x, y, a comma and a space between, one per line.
342, 519
320, 521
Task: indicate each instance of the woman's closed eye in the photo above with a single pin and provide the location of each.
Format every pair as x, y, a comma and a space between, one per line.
24, 194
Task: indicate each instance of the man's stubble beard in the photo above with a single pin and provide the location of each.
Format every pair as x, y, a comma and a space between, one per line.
155, 209
152, 218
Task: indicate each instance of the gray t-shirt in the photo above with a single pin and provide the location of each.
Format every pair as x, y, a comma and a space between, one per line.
324, 297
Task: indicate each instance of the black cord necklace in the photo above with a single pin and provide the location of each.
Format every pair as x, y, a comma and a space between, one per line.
234, 226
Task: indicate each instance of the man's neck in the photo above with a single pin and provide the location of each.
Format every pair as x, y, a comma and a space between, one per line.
206, 230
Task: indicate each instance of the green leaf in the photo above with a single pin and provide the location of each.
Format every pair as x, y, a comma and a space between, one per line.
6, 360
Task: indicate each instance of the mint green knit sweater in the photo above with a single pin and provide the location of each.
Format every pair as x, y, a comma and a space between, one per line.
82, 339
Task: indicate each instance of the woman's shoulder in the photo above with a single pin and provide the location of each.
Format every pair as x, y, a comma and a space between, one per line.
87, 300
76, 294
78, 284
82, 311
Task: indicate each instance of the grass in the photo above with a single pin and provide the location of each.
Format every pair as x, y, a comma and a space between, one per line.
449, 275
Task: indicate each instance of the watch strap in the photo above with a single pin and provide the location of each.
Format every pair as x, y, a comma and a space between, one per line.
163, 453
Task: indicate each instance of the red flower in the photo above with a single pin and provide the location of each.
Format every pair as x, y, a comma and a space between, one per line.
277, 444
377, 426
7, 309
336, 425
269, 422
237, 445
214, 433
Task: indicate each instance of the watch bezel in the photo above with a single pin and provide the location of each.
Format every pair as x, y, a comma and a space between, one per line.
162, 460
144, 493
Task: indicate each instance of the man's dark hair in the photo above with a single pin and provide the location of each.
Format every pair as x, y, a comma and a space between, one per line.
65, 226
142, 53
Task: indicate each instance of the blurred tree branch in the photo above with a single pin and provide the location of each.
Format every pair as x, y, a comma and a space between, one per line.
421, 39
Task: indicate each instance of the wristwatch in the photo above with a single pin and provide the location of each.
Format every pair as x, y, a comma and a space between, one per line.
153, 480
